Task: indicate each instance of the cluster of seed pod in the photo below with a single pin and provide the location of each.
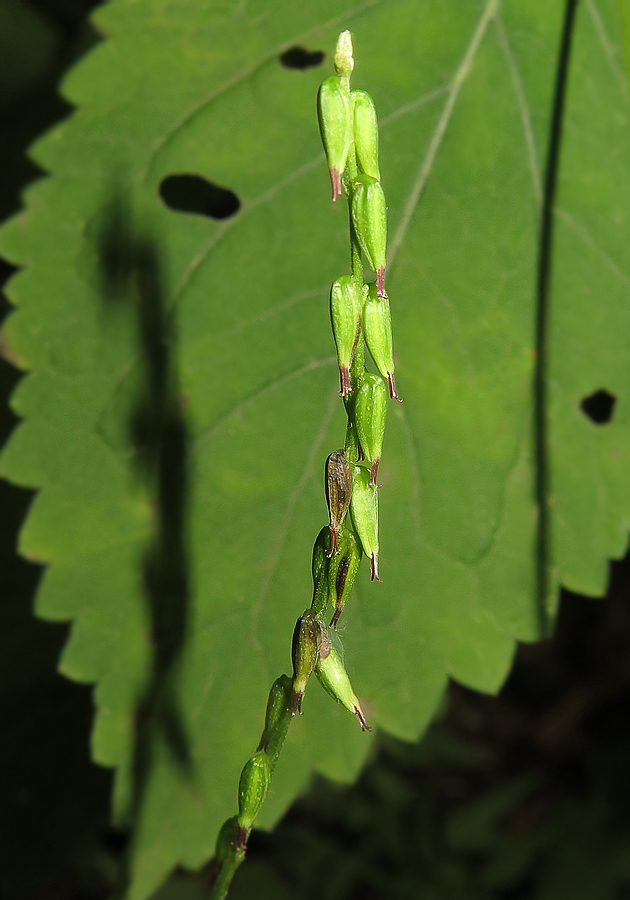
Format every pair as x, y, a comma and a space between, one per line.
360, 316
360, 313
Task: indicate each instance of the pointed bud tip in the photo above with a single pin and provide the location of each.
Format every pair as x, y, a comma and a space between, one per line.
241, 837
335, 618
296, 703
374, 472
344, 55
392, 387
374, 568
346, 384
335, 180
362, 721
380, 282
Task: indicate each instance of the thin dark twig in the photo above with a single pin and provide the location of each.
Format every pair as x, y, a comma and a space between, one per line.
541, 448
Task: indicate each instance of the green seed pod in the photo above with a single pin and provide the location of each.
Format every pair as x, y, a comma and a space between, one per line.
343, 571
334, 679
343, 58
377, 327
320, 566
338, 493
346, 301
370, 412
369, 216
366, 133
307, 638
252, 789
364, 510
227, 838
336, 125
277, 715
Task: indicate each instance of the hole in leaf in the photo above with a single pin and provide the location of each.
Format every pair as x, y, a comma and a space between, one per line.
194, 194
599, 406
299, 58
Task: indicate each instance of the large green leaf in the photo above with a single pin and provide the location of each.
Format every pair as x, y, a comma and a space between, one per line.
184, 586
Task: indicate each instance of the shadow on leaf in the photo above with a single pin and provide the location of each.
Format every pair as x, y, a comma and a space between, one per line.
130, 275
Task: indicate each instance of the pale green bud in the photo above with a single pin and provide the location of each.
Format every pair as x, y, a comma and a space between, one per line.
369, 217
277, 716
343, 571
364, 510
307, 638
344, 59
377, 328
336, 120
338, 493
334, 679
366, 133
320, 565
370, 412
346, 301
252, 789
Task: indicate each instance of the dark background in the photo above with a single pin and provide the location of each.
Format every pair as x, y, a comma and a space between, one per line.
525, 795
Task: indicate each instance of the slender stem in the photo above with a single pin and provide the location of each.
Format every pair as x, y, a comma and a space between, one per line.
227, 872
356, 263
357, 369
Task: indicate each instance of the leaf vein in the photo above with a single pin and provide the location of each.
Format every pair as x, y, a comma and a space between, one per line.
588, 239
459, 78
258, 392
526, 117
246, 73
607, 44
283, 527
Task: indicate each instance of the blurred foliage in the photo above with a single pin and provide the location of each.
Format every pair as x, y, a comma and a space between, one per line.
524, 796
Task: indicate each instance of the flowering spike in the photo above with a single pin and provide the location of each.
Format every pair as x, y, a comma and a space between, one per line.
334, 679
349, 132
346, 301
366, 134
370, 413
336, 120
338, 494
364, 510
369, 216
